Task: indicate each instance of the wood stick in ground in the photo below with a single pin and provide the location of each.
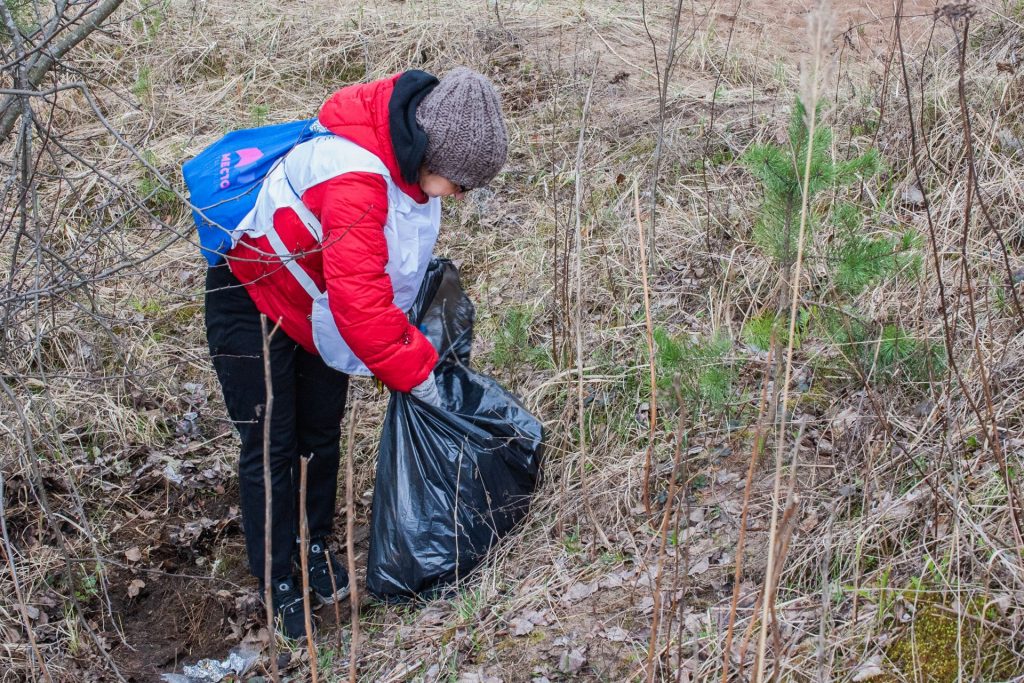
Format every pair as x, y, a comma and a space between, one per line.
818, 29
653, 413
663, 534
268, 499
755, 456
350, 542
304, 561
334, 591
577, 211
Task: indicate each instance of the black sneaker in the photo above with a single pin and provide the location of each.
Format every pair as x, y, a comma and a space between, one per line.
320, 575
290, 617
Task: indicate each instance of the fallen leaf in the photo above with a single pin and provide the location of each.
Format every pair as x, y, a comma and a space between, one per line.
480, 676
913, 197
537, 618
699, 567
726, 477
610, 581
580, 591
431, 616
133, 554
520, 627
693, 622
616, 634
872, 668
572, 661
809, 522
134, 587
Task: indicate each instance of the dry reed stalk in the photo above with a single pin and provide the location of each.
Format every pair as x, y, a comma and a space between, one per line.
1013, 494
787, 526
755, 457
819, 23
580, 406
350, 542
268, 499
307, 611
670, 507
653, 413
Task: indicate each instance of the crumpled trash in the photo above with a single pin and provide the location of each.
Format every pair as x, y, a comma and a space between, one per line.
239, 660
172, 474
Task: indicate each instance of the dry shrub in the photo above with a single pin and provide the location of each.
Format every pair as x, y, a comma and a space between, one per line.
903, 508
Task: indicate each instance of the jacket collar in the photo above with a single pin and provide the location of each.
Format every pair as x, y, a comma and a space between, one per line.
362, 113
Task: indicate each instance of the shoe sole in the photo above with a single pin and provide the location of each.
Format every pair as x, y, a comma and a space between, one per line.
331, 599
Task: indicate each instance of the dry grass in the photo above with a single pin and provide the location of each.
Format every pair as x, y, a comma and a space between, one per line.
903, 555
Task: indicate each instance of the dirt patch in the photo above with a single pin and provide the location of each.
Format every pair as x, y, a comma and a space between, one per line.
178, 619
182, 592
861, 24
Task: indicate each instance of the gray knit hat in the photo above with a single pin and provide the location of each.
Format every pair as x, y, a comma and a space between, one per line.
467, 141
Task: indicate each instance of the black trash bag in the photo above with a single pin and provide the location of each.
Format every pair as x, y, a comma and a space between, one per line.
451, 480
444, 314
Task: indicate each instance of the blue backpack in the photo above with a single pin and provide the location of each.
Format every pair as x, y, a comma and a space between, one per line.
224, 179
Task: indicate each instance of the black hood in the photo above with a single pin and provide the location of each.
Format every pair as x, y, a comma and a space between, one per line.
407, 138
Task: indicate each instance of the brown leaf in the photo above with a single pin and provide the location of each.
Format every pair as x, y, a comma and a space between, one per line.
520, 627
580, 591
571, 662
538, 618
872, 668
616, 634
133, 554
699, 567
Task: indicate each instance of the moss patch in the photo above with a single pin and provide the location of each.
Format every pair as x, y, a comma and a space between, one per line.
927, 650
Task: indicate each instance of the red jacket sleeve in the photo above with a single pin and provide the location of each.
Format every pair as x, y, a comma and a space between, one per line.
353, 210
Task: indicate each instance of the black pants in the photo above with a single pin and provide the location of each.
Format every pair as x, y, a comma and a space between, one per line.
305, 420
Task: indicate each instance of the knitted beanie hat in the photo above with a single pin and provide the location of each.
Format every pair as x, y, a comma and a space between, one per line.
467, 141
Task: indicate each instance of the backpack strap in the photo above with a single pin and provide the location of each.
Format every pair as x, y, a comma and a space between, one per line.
310, 163
290, 262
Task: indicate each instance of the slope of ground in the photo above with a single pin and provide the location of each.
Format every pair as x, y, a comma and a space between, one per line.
900, 542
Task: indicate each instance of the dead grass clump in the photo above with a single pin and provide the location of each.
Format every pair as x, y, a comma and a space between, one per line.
114, 437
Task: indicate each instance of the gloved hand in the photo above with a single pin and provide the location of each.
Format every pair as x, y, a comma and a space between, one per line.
426, 391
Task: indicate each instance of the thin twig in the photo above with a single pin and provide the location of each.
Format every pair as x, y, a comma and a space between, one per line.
653, 412
334, 591
350, 541
755, 457
580, 407
268, 498
307, 610
664, 77
811, 108
670, 506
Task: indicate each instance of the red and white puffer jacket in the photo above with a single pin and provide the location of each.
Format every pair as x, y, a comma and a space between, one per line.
349, 264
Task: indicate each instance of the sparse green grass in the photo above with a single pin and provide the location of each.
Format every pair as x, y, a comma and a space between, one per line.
869, 311
143, 85
513, 346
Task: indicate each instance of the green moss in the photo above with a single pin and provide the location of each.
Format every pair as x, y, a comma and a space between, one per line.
927, 650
